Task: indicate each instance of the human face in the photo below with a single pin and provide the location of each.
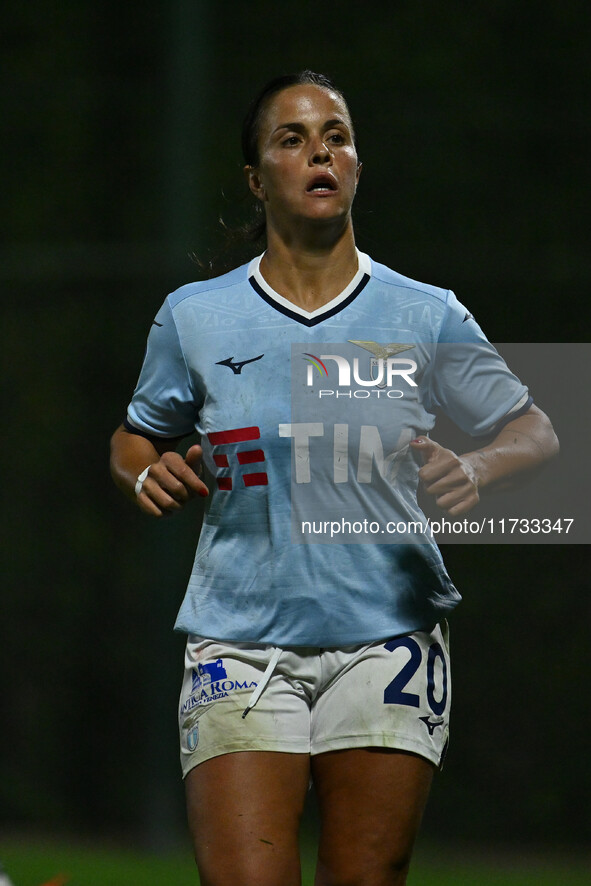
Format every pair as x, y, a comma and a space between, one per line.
308, 168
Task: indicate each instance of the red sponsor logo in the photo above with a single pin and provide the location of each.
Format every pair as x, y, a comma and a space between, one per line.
243, 456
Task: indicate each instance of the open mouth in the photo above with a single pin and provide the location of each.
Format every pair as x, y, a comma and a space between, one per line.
322, 183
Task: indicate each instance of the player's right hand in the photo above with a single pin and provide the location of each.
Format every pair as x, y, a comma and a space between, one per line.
172, 481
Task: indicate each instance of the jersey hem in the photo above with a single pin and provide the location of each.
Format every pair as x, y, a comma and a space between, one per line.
318, 643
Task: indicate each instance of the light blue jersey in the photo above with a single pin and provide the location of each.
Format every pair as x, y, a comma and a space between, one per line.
308, 417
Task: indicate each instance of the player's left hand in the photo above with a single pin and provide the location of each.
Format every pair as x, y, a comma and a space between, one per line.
449, 477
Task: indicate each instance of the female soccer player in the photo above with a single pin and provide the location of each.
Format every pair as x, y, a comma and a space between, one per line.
312, 375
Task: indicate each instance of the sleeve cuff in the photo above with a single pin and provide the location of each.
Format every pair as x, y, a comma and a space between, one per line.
515, 413
132, 429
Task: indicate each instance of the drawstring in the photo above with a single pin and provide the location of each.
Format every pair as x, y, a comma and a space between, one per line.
261, 686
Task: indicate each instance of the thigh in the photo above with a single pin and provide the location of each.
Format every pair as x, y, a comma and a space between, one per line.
244, 811
371, 804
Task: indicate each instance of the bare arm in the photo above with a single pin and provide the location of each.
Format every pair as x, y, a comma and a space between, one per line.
523, 446
172, 480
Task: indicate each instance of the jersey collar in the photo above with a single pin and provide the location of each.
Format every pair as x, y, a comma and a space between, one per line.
310, 318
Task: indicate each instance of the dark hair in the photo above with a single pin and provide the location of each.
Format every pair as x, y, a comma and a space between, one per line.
243, 238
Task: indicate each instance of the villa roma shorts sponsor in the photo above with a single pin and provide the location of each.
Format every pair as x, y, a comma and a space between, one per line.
250, 697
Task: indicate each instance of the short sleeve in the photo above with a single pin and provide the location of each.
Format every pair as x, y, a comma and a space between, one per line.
163, 403
471, 383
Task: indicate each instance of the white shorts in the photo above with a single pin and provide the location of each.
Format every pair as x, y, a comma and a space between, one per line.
393, 694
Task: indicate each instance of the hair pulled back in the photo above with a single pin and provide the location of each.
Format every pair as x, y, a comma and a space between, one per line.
254, 230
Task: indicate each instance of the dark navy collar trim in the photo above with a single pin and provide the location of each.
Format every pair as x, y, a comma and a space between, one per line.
309, 321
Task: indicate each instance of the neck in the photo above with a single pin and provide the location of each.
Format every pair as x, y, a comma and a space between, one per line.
309, 273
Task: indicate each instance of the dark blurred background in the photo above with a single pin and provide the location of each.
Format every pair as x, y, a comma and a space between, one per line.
120, 133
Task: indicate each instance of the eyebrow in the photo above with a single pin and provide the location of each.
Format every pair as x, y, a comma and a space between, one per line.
300, 127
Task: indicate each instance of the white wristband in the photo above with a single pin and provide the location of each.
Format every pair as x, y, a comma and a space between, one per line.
140, 480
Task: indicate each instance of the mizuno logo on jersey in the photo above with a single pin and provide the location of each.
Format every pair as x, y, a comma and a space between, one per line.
237, 367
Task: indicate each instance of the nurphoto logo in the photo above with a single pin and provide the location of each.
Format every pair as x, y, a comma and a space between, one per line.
383, 371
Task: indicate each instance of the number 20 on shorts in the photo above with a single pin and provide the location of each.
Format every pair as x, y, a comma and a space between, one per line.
395, 693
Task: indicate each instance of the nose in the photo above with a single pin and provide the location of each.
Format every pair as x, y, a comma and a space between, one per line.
320, 155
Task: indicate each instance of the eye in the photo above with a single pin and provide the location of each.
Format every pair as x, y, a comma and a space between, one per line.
336, 138
290, 141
